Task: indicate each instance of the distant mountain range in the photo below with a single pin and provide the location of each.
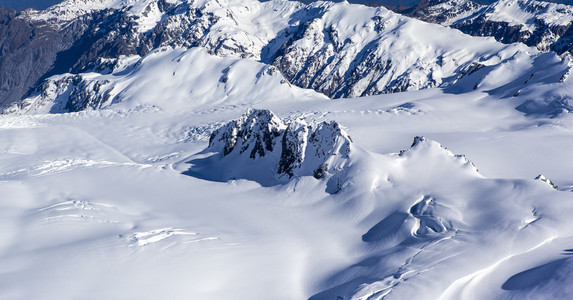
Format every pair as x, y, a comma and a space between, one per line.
81, 53
546, 26
396, 4
339, 50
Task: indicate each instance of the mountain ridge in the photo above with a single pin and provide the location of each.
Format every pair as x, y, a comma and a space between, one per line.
544, 25
340, 50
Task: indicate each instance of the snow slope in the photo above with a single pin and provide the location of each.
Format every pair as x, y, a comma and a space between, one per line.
105, 197
534, 84
176, 78
539, 24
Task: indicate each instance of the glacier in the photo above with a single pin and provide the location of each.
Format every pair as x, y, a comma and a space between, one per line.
230, 161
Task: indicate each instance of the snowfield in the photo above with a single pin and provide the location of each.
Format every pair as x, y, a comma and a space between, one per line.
97, 204
187, 175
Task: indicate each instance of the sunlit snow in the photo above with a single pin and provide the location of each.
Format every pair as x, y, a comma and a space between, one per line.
207, 177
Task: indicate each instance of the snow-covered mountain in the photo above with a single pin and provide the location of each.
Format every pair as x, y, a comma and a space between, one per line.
178, 149
170, 78
273, 151
413, 218
544, 25
338, 49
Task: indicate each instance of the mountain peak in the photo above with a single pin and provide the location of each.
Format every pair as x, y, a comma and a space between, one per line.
254, 133
429, 149
550, 183
259, 142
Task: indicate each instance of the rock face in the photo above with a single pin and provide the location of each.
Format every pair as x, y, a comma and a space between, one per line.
322, 54
70, 92
29, 50
74, 35
167, 78
255, 133
550, 183
337, 49
290, 149
546, 26
344, 51
443, 11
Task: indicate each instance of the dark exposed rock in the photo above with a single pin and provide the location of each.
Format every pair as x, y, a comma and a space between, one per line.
486, 20
338, 67
314, 55
441, 11
292, 148
546, 180
256, 130
29, 50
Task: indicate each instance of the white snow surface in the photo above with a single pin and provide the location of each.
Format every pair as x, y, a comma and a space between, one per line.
96, 204
525, 12
431, 192
182, 77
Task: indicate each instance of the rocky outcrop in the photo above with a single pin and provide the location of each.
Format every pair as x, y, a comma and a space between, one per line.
65, 93
30, 50
424, 145
290, 149
321, 53
442, 11
255, 133
550, 183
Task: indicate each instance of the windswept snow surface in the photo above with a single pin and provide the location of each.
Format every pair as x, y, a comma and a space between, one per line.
99, 204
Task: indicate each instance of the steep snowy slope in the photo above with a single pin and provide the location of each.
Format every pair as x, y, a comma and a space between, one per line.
544, 25
73, 35
105, 197
338, 49
534, 84
172, 79
351, 51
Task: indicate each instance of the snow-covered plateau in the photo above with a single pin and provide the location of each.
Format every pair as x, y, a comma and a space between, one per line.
393, 159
